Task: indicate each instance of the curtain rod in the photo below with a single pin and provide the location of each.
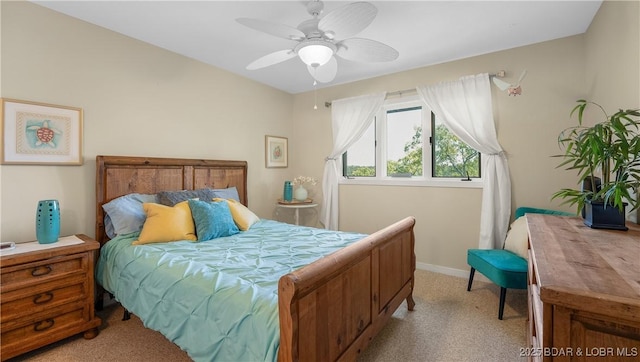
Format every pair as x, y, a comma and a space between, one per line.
389, 94
499, 74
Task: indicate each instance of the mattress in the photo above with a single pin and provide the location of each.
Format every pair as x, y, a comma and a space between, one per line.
215, 299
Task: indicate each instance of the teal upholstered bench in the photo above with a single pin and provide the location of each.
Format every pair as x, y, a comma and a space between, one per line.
503, 267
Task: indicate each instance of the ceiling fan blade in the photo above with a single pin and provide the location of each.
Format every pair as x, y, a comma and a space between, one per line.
279, 30
324, 73
501, 83
365, 50
524, 73
348, 20
271, 59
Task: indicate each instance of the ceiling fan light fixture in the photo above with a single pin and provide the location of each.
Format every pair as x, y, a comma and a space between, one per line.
315, 53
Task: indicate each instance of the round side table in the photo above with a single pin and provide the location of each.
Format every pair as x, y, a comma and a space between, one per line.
296, 207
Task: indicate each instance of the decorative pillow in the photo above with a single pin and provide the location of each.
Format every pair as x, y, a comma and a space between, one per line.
212, 219
108, 227
242, 216
166, 223
228, 193
125, 214
171, 198
518, 238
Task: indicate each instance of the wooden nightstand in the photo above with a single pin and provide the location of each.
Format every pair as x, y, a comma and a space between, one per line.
47, 295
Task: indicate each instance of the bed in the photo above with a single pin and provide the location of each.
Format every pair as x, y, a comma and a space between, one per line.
326, 305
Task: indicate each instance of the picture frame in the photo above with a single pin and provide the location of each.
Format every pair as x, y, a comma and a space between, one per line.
36, 133
276, 151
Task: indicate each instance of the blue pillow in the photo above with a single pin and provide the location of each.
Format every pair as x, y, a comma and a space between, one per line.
228, 193
125, 214
212, 219
108, 227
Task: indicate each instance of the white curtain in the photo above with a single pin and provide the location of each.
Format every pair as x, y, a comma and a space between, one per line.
350, 119
465, 107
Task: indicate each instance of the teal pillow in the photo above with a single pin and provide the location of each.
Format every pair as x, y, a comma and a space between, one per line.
212, 219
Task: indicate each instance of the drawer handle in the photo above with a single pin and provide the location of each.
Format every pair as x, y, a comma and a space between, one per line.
43, 325
41, 270
43, 298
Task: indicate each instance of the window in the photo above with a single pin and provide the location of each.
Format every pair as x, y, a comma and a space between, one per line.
392, 150
452, 158
362, 156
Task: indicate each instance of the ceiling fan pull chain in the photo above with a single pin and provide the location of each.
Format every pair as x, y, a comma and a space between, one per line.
315, 95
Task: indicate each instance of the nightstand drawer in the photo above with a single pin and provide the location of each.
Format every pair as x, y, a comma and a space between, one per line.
21, 276
29, 330
21, 302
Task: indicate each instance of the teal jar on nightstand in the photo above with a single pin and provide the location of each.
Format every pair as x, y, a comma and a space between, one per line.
48, 221
288, 191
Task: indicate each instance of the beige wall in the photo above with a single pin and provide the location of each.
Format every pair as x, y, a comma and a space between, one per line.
137, 100
176, 107
448, 218
1, 239
612, 57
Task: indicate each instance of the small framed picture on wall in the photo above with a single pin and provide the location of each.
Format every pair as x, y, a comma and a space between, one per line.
40, 134
276, 151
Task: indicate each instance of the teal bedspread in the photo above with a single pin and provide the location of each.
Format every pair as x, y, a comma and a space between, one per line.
215, 299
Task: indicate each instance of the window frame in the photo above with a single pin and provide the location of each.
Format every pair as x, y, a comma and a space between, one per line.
427, 178
432, 144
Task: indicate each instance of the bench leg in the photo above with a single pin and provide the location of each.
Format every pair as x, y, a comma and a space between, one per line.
471, 273
503, 294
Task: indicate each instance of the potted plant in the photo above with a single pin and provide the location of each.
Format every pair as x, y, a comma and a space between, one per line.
607, 158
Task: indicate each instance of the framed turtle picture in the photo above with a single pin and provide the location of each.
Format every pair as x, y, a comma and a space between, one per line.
276, 151
40, 134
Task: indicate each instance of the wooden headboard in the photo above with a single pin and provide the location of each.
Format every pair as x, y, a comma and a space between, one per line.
121, 175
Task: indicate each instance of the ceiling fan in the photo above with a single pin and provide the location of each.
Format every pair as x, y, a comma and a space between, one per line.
320, 39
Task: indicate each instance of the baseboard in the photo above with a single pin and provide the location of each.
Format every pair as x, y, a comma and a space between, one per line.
451, 271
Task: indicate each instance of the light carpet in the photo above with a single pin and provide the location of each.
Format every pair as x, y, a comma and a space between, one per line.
448, 324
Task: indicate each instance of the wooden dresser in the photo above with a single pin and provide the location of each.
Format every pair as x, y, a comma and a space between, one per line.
584, 291
47, 295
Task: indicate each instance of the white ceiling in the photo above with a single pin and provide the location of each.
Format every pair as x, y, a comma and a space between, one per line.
424, 32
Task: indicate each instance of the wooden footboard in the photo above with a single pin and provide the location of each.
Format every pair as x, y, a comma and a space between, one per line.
331, 310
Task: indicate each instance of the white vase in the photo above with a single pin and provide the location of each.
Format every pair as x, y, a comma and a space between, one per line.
300, 193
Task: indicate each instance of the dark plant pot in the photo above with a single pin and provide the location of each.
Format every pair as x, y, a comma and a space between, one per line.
597, 216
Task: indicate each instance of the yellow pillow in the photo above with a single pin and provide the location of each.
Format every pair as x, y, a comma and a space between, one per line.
166, 223
242, 216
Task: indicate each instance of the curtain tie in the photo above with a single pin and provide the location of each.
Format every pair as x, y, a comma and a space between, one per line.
330, 159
